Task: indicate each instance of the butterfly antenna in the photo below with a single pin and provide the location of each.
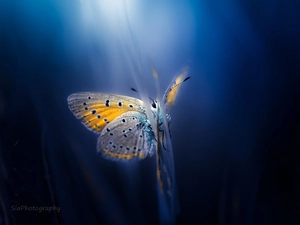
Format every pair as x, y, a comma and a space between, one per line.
153, 104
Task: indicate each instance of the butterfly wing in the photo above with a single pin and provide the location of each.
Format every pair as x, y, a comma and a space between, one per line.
96, 110
127, 136
172, 91
125, 131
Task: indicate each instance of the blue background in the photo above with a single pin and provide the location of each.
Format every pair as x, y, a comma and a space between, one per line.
235, 124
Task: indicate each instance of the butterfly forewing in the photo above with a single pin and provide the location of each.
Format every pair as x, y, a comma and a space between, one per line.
99, 109
127, 136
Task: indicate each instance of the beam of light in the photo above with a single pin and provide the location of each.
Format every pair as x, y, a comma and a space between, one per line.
128, 30
161, 30
106, 16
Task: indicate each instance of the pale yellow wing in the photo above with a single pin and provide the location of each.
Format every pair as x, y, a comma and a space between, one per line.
172, 91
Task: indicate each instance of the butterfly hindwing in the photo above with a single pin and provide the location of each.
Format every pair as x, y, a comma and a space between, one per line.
172, 91
99, 109
127, 136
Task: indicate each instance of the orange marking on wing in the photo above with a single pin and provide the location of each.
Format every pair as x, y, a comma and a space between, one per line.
173, 93
119, 156
173, 90
142, 156
106, 114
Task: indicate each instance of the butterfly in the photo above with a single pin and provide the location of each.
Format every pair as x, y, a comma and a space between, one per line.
122, 122
125, 129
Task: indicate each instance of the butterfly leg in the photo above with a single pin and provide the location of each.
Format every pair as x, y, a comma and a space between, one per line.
169, 125
162, 139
